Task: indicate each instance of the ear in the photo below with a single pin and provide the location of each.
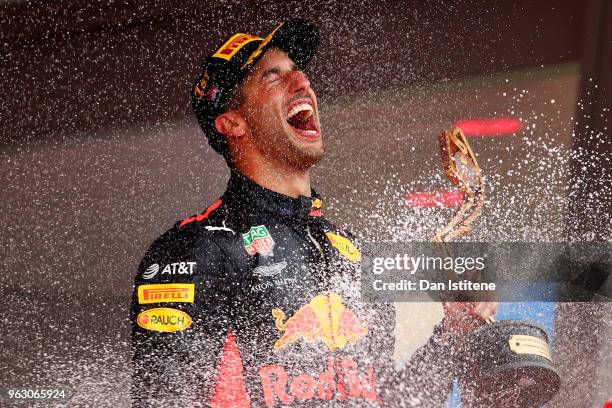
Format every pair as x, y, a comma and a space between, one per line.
231, 124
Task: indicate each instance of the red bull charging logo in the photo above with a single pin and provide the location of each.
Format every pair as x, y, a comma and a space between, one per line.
325, 319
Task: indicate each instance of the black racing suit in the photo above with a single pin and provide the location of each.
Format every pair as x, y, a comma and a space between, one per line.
257, 302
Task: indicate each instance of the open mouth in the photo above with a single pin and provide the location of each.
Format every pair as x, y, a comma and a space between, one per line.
301, 118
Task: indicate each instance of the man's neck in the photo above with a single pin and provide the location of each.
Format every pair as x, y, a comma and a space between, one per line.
291, 183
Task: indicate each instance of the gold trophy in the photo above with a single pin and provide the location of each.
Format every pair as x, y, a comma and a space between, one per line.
507, 363
461, 168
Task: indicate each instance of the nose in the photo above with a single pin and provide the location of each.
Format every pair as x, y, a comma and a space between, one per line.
298, 81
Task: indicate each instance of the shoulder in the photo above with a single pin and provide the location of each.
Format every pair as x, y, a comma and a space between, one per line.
187, 246
343, 240
332, 228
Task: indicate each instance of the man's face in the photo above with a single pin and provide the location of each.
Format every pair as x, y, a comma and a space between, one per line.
281, 111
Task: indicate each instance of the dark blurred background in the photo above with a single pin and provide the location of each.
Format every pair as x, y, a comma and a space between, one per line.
76, 66
100, 152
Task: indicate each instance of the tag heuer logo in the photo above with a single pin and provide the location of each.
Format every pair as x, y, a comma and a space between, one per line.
258, 239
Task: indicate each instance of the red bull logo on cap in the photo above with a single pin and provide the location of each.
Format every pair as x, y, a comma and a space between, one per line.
198, 90
325, 319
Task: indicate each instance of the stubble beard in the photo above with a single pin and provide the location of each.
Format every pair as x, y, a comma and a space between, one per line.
285, 148
301, 156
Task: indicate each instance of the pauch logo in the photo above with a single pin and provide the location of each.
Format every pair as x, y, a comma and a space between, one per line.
163, 319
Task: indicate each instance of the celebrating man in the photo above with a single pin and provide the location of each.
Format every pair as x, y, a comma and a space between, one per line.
256, 301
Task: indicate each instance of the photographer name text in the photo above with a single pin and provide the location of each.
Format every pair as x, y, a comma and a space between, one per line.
424, 284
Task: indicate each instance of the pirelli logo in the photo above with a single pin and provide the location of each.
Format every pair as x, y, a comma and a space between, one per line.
233, 45
166, 293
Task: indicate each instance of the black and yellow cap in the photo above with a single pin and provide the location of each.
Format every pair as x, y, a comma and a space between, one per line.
221, 71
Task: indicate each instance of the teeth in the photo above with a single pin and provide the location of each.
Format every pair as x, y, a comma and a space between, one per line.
310, 132
299, 108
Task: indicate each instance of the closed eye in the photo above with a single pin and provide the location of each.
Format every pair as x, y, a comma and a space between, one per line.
270, 73
274, 73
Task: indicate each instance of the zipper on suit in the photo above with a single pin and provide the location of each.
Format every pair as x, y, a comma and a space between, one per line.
314, 241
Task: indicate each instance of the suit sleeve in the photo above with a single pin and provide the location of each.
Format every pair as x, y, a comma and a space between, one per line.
428, 376
180, 313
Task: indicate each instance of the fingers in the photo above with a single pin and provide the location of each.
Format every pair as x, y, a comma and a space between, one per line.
459, 308
485, 310
464, 317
